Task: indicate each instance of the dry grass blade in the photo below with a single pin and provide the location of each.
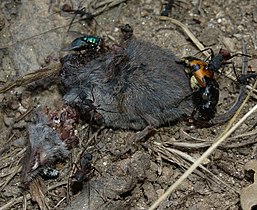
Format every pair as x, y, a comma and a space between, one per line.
108, 3
14, 201
250, 133
14, 154
31, 77
195, 145
182, 157
13, 170
188, 32
184, 133
58, 204
249, 141
16, 170
188, 145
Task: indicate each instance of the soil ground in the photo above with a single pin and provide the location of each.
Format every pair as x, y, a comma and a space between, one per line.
128, 175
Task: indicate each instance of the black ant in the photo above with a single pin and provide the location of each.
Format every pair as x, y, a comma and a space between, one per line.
88, 109
84, 16
217, 61
127, 31
221, 59
82, 173
243, 78
167, 8
82, 12
90, 112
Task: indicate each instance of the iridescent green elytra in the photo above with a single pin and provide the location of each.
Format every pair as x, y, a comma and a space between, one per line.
85, 42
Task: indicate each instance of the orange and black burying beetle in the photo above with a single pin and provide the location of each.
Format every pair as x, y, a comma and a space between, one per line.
197, 70
201, 74
201, 69
203, 84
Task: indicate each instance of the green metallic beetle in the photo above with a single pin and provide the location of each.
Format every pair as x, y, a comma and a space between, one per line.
86, 42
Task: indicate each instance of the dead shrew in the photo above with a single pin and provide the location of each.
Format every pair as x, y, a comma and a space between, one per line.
128, 87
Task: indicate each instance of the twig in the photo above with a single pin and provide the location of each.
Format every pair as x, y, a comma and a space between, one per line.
16, 170
205, 143
29, 110
28, 197
31, 77
24, 202
250, 133
189, 144
192, 137
244, 143
14, 201
59, 202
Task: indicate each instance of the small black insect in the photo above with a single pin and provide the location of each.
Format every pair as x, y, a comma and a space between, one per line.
89, 112
49, 173
81, 12
84, 16
221, 59
244, 78
85, 42
167, 8
127, 31
82, 174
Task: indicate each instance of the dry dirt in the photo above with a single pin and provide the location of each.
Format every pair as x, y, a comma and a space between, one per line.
127, 175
